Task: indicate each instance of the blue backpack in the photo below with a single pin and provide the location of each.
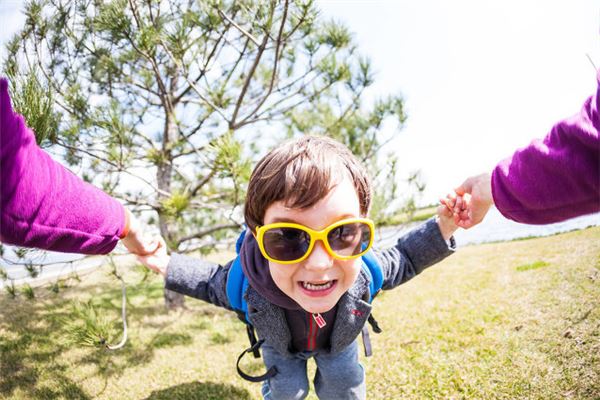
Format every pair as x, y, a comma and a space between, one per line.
237, 284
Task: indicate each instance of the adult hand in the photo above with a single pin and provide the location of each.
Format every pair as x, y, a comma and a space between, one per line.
473, 201
135, 241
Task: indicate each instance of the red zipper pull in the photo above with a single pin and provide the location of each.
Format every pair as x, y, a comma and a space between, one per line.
319, 320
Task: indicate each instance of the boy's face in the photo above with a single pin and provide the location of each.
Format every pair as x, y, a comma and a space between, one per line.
318, 282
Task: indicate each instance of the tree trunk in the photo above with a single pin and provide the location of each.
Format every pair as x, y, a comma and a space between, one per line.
173, 300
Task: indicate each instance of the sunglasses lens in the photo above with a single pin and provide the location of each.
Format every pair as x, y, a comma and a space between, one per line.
349, 239
286, 244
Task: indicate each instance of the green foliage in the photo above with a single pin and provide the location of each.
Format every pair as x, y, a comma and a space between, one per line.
229, 159
175, 205
193, 93
334, 35
21, 252
86, 326
54, 287
33, 270
219, 338
35, 102
3, 274
112, 20
11, 289
28, 292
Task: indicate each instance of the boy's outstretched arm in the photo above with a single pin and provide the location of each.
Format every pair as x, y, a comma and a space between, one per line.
446, 222
420, 248
190, 276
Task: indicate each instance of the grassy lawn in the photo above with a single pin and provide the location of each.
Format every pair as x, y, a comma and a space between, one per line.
505, 320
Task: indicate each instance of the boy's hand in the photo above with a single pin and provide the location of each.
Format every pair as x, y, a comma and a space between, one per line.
445, 220
158, 260
456, 205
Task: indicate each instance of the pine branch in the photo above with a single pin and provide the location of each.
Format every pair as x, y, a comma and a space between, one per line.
275, 64
206, 232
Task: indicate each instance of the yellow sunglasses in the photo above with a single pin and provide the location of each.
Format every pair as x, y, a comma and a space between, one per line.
290, 243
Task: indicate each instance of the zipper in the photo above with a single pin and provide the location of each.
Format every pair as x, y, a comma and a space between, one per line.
310, 329
313, 329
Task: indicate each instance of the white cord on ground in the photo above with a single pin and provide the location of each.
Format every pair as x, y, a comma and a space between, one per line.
124, 316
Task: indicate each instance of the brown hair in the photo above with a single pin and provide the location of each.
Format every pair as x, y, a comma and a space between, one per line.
302, 172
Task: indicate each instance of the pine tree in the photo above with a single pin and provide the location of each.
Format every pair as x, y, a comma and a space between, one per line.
166, 104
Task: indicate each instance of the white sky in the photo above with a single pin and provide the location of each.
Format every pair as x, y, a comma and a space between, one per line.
480, 78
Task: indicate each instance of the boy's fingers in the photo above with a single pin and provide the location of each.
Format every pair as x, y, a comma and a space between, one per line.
446, 204
449, 201
445, 211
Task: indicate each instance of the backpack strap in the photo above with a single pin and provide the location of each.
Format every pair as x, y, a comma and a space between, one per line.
271, 372
237, 283
374, 272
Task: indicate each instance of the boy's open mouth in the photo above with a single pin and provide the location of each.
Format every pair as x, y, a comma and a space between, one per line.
317, 288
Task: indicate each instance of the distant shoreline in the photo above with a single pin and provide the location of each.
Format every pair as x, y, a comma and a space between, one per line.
495, 228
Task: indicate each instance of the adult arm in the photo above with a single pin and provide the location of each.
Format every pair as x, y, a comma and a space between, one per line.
551, 180
555, 178
44, 205
415, 251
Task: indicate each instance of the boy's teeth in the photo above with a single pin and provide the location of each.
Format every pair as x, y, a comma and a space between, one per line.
314, 286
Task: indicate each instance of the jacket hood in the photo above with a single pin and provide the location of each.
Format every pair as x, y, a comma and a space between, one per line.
256, 269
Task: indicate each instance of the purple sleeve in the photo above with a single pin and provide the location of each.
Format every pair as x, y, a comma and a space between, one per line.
555, 178
42, 203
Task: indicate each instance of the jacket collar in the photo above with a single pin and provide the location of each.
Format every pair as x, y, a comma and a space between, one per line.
271, 325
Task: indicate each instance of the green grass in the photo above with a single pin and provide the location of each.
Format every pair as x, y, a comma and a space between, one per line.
533, 265
515, 320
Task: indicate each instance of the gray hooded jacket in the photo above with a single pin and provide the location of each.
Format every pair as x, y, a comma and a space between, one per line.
413, 252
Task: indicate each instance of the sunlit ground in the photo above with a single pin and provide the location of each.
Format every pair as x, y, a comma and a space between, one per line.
506, 320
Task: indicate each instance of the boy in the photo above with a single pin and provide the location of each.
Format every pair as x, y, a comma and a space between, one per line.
306, 211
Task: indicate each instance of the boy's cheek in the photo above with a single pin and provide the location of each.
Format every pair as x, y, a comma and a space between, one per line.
282, 277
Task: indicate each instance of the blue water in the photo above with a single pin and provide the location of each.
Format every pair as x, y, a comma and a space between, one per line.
496, 228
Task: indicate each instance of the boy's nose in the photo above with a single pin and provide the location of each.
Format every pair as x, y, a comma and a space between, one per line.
319, 258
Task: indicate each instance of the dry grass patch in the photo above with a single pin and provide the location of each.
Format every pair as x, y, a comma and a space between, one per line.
505, 320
